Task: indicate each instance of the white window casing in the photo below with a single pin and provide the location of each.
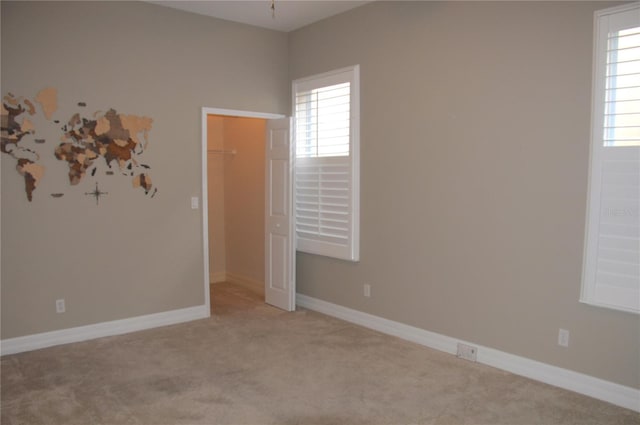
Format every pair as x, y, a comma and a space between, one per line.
327, 163
611, 266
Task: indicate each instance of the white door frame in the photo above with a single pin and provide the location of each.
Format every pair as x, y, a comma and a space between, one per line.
204, 194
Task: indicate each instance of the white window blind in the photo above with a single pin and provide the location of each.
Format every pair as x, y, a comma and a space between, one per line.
611, 274
327, 164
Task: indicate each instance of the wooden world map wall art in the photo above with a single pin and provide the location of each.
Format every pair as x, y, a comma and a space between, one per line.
96, 143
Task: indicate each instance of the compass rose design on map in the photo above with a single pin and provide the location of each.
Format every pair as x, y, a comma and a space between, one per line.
96, 193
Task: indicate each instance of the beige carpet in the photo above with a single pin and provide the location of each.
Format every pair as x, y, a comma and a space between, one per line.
252, 364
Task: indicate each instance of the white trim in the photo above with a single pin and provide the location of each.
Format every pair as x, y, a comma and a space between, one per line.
204, 192
610, 392
238, 113
99, 330
205, 212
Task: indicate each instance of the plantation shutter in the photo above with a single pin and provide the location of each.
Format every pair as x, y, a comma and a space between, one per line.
611, 276
326, 169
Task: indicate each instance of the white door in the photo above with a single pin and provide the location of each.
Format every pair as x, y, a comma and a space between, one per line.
280, 277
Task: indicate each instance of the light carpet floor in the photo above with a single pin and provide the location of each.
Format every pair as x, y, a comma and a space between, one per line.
253, 364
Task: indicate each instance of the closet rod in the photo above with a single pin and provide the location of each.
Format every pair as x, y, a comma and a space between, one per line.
223, 151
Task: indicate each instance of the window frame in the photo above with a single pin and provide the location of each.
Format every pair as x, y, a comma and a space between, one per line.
612, 297
317, 246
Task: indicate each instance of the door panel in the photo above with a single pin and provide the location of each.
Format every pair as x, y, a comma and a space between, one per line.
279, 195
279, 253
280, 286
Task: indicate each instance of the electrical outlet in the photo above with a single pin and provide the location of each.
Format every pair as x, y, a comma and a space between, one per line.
367, 290
563, 337
467, 352
60, 307
195, 202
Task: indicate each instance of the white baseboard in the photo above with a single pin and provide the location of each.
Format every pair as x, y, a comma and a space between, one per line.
610, 392
217, 277
99, 330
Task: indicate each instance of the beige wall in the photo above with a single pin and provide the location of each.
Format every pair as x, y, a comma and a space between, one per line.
215, 185
131, 255
244, 197
475, 145
475, 133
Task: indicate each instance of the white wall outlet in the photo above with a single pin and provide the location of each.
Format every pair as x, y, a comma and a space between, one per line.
60, 306
467, 352
367, 290
195, 202
563, 337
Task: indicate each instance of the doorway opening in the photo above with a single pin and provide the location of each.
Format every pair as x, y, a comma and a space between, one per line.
233, 203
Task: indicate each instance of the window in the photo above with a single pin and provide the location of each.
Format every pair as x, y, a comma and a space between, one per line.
327, 117
611, 272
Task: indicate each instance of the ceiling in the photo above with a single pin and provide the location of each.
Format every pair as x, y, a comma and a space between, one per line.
289, 14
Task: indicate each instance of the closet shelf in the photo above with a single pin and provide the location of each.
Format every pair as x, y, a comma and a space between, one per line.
223, 151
